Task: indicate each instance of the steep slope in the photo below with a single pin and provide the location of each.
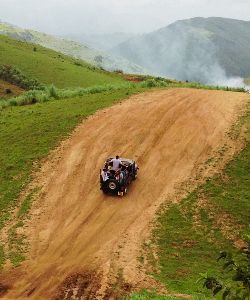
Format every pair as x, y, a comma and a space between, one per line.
48, 66
77, 231
69, 47
199, 49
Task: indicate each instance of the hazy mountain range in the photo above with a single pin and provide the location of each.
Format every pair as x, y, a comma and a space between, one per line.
72, 48
210, 50
104, 42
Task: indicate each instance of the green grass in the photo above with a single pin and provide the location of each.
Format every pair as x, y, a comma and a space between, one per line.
26, 204
185, 251
232, 195
51, 92
51, 67
17, 245
187, 237
145, 295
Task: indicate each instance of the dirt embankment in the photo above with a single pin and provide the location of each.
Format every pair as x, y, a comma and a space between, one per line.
8, 90
75, 229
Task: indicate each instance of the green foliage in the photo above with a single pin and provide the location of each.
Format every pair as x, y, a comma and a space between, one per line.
51, 93
238, 267
50, 67
145, 295
187, 234
161, 82
13, 75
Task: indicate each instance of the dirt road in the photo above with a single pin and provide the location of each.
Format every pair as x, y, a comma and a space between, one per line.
75, 229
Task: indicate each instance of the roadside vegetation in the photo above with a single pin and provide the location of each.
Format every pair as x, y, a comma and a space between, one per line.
46, 93
189, 236
144, 295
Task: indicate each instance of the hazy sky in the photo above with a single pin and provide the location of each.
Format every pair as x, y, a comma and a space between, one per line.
105, 16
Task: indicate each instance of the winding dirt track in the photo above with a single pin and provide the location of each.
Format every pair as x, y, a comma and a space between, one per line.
74, 227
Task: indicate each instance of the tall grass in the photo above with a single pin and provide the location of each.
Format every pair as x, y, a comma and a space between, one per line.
52, 93
161, 82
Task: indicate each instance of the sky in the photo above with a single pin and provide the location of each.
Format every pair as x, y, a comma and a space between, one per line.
62, 17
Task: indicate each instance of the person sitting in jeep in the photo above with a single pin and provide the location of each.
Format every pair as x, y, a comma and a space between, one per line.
116, 163
104, 174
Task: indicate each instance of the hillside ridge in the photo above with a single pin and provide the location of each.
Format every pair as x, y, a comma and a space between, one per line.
210, 50
70, 47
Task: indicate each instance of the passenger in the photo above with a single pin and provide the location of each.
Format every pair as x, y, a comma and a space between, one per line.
119, 176
104, 174
116, 162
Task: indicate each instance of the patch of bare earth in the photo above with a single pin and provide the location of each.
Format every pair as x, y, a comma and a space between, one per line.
73, 226
8, 90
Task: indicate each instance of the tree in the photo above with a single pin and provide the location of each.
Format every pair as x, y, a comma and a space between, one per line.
238, 267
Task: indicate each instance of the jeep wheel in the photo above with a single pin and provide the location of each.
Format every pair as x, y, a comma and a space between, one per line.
112, 185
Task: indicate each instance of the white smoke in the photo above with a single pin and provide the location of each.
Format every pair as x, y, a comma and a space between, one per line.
180, 52
234, 82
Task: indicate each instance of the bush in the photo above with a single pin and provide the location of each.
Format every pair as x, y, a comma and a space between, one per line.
150, 83
15, 76
52, 92
238, 286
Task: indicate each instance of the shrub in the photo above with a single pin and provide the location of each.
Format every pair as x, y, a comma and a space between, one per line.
238, 286
53, 92
78, 63
118, 71
15, 76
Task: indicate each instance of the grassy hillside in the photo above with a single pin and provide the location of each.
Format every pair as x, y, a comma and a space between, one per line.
189, 235
50, 67
200, 49
72, 48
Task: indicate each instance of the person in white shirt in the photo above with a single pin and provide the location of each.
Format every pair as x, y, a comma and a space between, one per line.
104, 174
116, 162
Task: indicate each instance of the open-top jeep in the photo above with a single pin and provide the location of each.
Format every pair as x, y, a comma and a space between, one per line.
117, 182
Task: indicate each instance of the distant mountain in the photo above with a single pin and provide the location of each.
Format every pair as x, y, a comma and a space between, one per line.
68, 47
209, 50
102, 41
